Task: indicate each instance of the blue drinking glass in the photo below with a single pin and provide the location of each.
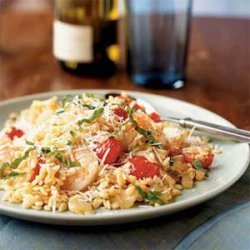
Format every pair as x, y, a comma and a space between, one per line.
158, 33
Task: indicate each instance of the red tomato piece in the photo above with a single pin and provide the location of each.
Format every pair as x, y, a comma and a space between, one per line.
142, 168
155, 117
15, 132
36, 170
206, 160
115, 150
121, 113
136, 106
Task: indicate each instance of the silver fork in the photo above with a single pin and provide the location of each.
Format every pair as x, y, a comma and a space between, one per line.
212, 129
202, 126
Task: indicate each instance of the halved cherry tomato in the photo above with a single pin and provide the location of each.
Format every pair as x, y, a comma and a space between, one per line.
15, 132
155, 117
136, 106
115, 150
142, 168
121, 113
206, 160
36, 170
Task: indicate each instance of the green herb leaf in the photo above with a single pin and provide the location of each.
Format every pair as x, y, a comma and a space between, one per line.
58, 155
60, 111
151, 196
91, 107
198, 165
147, 134
65, 160
66, 99
30, 143
72, 133
91, 95
45, 150
3, 167
17, 161
69, 143
13, 174
97, 113
141, 192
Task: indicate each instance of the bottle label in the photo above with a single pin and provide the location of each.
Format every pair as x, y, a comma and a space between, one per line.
73, 42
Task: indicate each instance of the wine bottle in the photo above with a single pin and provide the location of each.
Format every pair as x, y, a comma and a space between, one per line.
86, 36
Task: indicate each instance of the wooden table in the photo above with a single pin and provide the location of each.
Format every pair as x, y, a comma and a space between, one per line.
218, 79
218, 68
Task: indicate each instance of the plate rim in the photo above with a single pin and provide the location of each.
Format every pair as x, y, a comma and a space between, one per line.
118, 216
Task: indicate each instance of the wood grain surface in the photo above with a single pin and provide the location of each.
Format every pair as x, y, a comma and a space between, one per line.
218, 70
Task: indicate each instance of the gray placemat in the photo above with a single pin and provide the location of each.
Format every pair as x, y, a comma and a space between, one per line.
228, 230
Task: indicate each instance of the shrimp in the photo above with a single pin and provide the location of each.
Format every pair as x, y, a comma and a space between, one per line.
145, 122
86, 174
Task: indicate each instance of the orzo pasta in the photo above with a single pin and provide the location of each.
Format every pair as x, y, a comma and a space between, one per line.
84, 152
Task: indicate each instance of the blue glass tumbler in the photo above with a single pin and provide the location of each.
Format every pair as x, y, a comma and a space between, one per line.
158, 32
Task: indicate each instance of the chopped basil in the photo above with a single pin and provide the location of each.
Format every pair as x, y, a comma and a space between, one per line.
198, 165
65, 160
147, 134
45, 150
60, 111
13, 174
91, 107
97, 113
151, 196
91, 95
72, 133
69, 143
65, 99
17, 161
58, 155
141, 192
30, 143
3, 167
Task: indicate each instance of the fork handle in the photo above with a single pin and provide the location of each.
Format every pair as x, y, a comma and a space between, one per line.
218, 130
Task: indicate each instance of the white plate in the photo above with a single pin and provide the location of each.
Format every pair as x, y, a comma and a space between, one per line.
233, 163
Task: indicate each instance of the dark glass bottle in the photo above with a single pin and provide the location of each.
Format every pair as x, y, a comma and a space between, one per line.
86, 36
